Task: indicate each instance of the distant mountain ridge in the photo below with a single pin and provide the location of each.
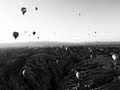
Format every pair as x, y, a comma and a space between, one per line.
34, 44
52, 44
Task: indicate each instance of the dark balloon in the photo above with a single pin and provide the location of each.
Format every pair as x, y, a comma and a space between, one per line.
24, 10
15, 34
36, 8
34, 33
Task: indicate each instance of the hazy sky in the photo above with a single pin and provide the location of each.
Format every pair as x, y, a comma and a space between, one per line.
59, 20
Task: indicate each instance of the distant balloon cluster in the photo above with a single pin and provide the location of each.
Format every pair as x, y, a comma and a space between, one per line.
94, 34
24, 10
16, 34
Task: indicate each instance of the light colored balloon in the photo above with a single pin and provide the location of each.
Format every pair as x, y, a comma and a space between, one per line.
23, 72
115, 57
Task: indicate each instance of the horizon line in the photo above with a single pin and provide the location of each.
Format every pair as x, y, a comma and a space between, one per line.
56, 43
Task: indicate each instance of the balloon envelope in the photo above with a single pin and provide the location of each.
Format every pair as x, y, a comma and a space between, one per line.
36, 8
23, 10
15, 34
34, 33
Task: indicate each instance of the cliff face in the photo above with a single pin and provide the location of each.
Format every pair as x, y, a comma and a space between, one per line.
60, 68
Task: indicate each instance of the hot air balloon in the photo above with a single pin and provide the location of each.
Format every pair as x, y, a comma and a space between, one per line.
34, 32
15, 34
36, 8
23, 10
38, 37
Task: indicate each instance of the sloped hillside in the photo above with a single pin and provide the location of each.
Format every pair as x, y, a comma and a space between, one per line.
60, 68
